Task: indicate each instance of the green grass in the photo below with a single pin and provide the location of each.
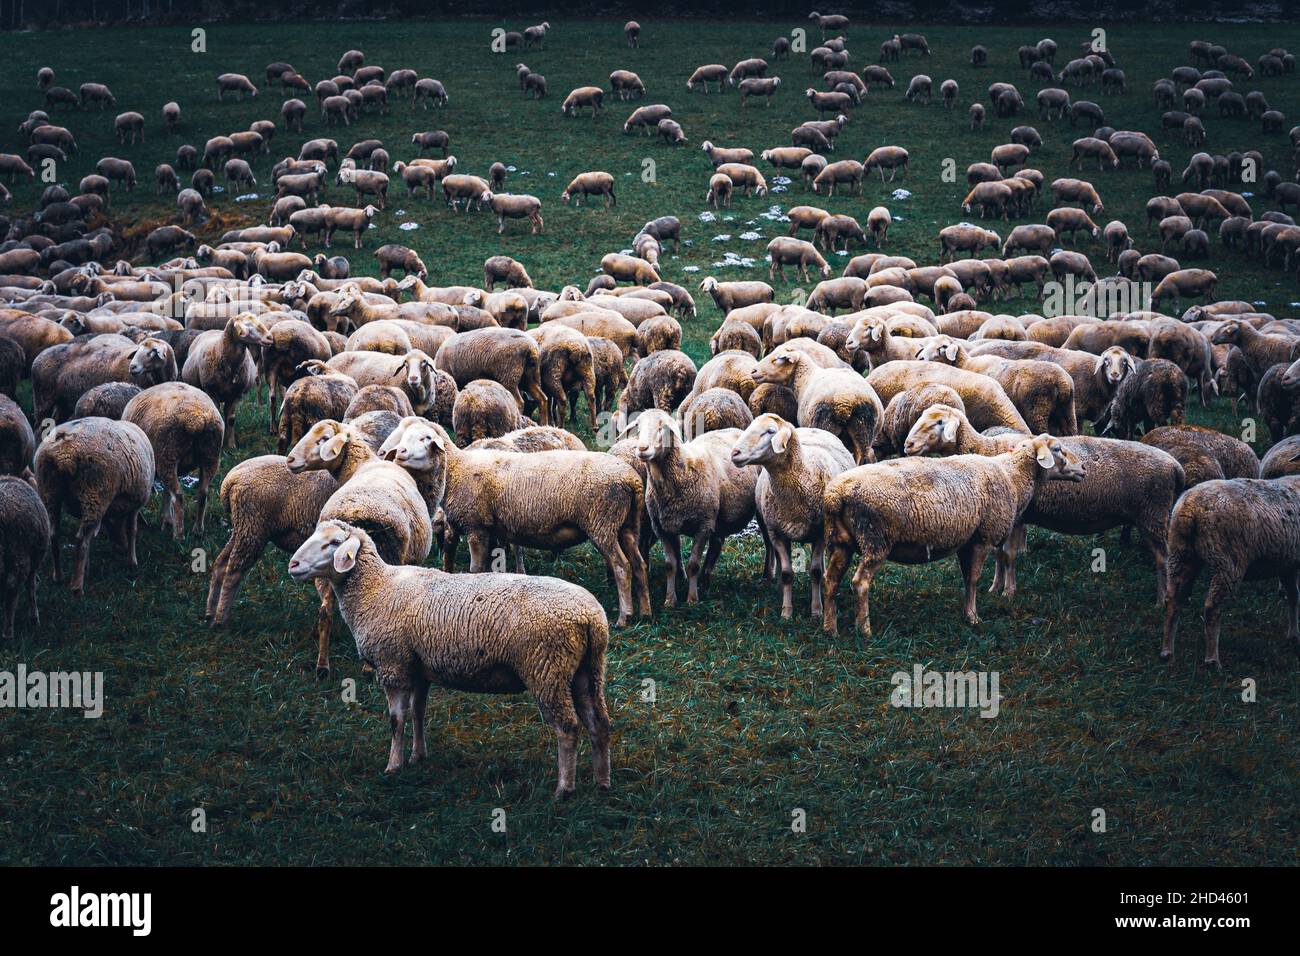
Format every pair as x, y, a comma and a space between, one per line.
753, 717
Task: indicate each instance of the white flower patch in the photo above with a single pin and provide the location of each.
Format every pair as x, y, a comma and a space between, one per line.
707, 216
728, 218
510, 169
1247, 195
902, 194
690, 268
399, 213
842, 252
1259, 303
524, 172
627, 252
725, 237
218, 189
781, 180
750, 236
247, 197
406, 226
777, 189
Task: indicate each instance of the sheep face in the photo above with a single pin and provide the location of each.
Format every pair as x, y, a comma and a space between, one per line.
419, 376
331, 552
934, 432
1115, 364
779, 368
415, 445
319, 448
765, 440
150, 358
250, 331
942, 349
657, 433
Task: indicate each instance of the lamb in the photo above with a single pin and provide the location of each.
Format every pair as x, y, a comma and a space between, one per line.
796, 465
886, 157
24, 545
571, 497
1243, 529
1123, 484
916, 510
745, 177
629, 268
709, 73
538, 634
234, 83
1204, 453
590, 184
471, 189
646, 118
220, 362
373, 493
692, 488
185, 430
507, 206
837, 400
101, 471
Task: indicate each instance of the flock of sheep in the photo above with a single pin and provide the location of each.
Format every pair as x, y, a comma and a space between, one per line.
410, 414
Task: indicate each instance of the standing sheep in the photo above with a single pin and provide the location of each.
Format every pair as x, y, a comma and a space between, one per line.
24, 544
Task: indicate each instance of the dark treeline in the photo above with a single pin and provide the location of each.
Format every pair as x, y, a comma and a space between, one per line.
47, 14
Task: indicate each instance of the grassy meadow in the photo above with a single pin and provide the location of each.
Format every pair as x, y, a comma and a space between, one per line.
752, 719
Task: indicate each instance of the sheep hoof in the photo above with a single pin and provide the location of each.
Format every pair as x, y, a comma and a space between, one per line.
561, 793
1166, 656
322, 671
1213, 663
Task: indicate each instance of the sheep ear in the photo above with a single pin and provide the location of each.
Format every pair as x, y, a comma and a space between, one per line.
334, 447
780, 440
950, 350
950, 429
1045, 457
345, 558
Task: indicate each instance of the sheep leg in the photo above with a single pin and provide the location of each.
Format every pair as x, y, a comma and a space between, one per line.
56, 512
710, 559
201, 505
1221, 592
629, 541
450, 541
230, 422
33, 609
420, 703
557, 710
781, 546
971, 557
85, 532
324, 624
837, 562
589, 701
399, 708
672, 545
699, 543
479, 552
862, 578
815, 573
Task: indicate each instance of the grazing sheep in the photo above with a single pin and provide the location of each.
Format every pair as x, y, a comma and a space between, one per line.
101, 471
1204, 453
1154, 393
1242, 529
917, 510
590, 184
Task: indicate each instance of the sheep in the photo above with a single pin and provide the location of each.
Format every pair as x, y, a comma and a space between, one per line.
590, 184
1283, 459
658, 333
745, 177
371, 491
835, 399
845, 171
234, 83
905, 408
1041, 391
507, 270
557, 640
26, 543
626, 85
758, 86
720, 189
1154, 393
783, 251
878, 223
571, 497
1242, 529
712, 410
100, 470
917, 510
692, 488
660, 380
985, 400
1262, 351
796, 465
1205, 454
508, 356
220, 363
886, 157
484, 409
567, 366
589, 96
186, 431
17, 441
728, 296
508, 206
704, 75
1123, 484
647, 118
629, 268
320, 394
62, 373
719, 155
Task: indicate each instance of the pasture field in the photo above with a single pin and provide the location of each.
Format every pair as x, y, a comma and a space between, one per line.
752, 719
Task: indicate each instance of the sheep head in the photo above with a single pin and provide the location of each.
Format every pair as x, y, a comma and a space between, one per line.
765, 439
330, 552
936, 430
657, 433
416, 444
319, 448
1114, 364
